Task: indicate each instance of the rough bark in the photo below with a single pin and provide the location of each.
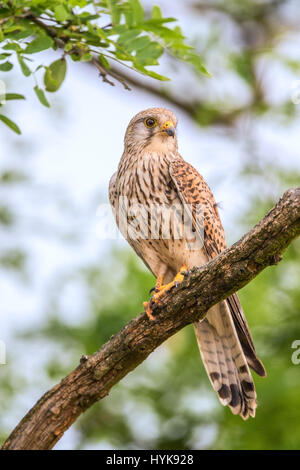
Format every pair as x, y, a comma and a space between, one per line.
92, 380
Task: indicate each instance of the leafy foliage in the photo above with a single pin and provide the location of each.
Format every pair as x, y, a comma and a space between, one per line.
100, 32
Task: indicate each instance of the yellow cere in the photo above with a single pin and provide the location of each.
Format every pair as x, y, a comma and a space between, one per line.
167, 125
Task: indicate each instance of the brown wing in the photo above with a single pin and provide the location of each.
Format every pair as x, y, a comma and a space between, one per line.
193, 190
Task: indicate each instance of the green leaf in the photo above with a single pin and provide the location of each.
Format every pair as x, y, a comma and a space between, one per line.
41, 96
12, 125
155, 26
55, 74
114, 11
75, 57
157, 76
119, 29
131, 42
6, 66
122, 55
40, 43
12, 29
149, 54
150, 73
14, 96
156, 13
3, 56
24, 31
6, 216
79, 3
195, 60
69, 46
25, 69
60, 13
243, 64
86, 57
140, 43
137, 11
128, 36
12, 46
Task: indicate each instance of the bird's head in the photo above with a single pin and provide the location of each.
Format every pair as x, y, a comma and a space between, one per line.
153, 130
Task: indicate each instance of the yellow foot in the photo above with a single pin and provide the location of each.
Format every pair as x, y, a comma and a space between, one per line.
160, 290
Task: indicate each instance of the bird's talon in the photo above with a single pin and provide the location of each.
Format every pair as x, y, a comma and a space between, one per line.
160, 290
148, 311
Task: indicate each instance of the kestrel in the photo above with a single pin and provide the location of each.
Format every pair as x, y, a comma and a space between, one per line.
152, 174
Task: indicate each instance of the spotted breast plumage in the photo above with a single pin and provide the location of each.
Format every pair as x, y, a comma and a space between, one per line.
152, 174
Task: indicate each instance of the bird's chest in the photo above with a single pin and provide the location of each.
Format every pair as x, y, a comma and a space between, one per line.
148, 182
150, 213
151, 209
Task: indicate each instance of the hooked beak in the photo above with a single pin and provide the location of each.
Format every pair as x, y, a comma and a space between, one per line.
168, 128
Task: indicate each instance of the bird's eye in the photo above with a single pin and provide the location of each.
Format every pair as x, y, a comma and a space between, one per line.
150, 122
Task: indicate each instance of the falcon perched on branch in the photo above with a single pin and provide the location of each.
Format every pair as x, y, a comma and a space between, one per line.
152, 178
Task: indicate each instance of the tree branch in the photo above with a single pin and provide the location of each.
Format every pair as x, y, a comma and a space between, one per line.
62, 40
203, 287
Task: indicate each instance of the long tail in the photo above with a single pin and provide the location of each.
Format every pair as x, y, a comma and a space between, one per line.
225, 361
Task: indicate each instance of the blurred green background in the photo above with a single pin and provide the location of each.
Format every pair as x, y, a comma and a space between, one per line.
65, 292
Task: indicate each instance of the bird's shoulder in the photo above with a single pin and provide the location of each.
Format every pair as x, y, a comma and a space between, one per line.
190, 182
